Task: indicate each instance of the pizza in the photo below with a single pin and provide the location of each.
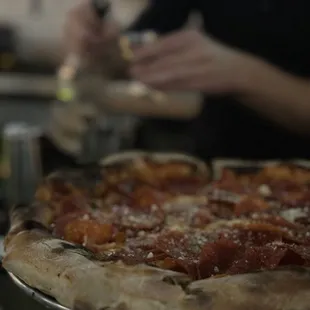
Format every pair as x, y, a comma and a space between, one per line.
157, 231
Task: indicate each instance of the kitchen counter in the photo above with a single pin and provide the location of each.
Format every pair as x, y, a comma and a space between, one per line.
25, 84
118, 97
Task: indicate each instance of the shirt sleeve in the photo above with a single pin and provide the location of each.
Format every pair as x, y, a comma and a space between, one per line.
163, 16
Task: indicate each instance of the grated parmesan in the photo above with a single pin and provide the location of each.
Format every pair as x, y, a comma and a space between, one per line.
85, 217
264, 190
292, 214
150, 255
85, 240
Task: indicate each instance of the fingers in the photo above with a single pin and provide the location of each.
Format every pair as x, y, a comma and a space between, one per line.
172, 62
73, 117
166, 45
68, 124
81, 28
85, 32
145, 71
177, 78
169, 60
183, 60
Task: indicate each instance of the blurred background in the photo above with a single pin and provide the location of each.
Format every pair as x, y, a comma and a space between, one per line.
31, 50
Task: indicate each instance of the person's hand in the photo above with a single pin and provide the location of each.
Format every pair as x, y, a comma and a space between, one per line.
68, 123
189, 60
85, 34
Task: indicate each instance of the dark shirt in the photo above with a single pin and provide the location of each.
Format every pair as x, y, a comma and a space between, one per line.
278, 31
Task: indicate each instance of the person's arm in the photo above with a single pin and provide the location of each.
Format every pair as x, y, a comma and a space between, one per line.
192, 61
68, 122
280, 96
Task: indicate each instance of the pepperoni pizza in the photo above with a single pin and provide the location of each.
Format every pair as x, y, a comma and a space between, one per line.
154, 231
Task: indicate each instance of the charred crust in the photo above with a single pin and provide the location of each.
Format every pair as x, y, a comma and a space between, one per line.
203, 299
70, 246
19, 207
255, 288
92, 172
245, 170
116, 166
295, 269
194, 292
22, 211
26, 217
180, 281
30, 225
81, 305
195, 167
58, 251
66, 246
84, 177
198, 299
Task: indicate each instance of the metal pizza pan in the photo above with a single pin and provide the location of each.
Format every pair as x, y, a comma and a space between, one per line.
43, 299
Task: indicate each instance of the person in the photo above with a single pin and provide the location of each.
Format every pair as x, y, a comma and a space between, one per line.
251, 62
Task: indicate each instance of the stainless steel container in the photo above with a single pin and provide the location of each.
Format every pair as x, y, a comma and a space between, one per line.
22, 153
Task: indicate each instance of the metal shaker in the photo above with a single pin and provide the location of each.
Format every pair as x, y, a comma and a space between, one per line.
22, 156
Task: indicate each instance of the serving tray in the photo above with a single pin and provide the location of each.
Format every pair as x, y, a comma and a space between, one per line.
43, 299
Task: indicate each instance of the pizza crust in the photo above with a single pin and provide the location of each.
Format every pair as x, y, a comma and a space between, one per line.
62, 270
27, 217
218, 165
130, 156
281, 289
65, 271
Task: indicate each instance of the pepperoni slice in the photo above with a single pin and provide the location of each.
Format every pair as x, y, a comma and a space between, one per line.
60, 223
183, 249
294, 198
230, 182
256, 258
250, 204
216, 257
60, 186
80, 227
201, 218
275, 220
183, 185
88, 232
146, 196
70, 205
139, 219
256, 234
270, 256
143, 241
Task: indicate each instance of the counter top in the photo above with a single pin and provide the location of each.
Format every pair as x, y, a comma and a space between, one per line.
115, 96
14, 84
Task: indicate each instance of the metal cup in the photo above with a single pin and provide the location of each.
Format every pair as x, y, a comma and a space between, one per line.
22, 155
